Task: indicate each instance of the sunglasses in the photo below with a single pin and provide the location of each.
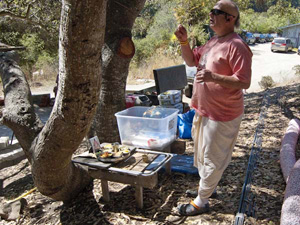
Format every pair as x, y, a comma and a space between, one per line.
217, 12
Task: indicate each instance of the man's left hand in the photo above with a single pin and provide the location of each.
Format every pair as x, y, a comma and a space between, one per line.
204, 75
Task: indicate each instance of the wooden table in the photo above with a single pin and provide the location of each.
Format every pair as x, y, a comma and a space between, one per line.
133, 170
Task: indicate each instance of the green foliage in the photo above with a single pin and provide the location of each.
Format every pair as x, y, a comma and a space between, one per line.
198, 36
36, 29
144, 49
34, 47
283, 15
36, 56
164, 23
193, 12
194, 15
10, 38
243, 4
46, 59
264, 5
145, 19
10, 32
140, 27
266, 82
256, 22
159, 33
42, 14
270, 21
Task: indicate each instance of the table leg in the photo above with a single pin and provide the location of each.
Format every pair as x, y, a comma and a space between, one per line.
168, 164
139, 196
105, 190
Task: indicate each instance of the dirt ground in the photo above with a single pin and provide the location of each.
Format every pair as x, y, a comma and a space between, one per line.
281, 104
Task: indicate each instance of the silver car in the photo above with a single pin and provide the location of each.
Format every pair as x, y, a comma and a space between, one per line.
281, 44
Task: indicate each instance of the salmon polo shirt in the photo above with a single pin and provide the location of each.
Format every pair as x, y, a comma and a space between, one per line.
229, 56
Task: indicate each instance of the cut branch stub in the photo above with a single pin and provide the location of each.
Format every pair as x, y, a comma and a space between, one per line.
126, 48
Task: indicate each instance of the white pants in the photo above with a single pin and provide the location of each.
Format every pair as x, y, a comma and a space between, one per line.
213, 145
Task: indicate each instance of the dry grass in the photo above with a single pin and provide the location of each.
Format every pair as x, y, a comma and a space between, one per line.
159, 60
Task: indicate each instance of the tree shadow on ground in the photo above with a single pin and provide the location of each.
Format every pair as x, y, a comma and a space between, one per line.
159, 202
84, 209
18, 187
4, 190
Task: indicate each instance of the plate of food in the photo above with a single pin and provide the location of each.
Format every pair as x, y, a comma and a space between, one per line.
113, 152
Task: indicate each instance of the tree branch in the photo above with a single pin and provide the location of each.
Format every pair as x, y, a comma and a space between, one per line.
28, 11
18, 113
4, 13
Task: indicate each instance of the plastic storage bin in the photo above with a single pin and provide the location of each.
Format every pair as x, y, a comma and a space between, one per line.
147, 127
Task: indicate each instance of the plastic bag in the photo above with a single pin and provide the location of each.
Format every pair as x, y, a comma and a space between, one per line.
184, 124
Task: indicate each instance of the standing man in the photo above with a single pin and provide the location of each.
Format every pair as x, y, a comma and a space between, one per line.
223, 71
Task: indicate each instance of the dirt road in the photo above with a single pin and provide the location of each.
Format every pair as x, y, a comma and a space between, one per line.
276, 64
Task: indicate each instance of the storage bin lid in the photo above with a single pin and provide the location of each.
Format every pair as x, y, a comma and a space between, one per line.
154, 112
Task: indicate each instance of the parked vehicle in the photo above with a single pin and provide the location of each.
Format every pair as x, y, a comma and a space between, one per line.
262, 38
269, 37
281, 44
257, 37
274, 35
250, 39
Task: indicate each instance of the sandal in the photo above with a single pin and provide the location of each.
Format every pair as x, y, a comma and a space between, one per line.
192, 209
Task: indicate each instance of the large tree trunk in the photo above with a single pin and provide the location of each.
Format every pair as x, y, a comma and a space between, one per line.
116, 55
49, 148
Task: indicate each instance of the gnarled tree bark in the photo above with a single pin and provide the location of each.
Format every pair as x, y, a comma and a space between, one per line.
49, 147
117, 53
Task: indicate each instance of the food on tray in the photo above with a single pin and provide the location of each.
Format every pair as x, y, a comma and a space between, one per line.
113, 152
107, 146
122, 148
125, 151
117, 154
107, 150
105, 155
